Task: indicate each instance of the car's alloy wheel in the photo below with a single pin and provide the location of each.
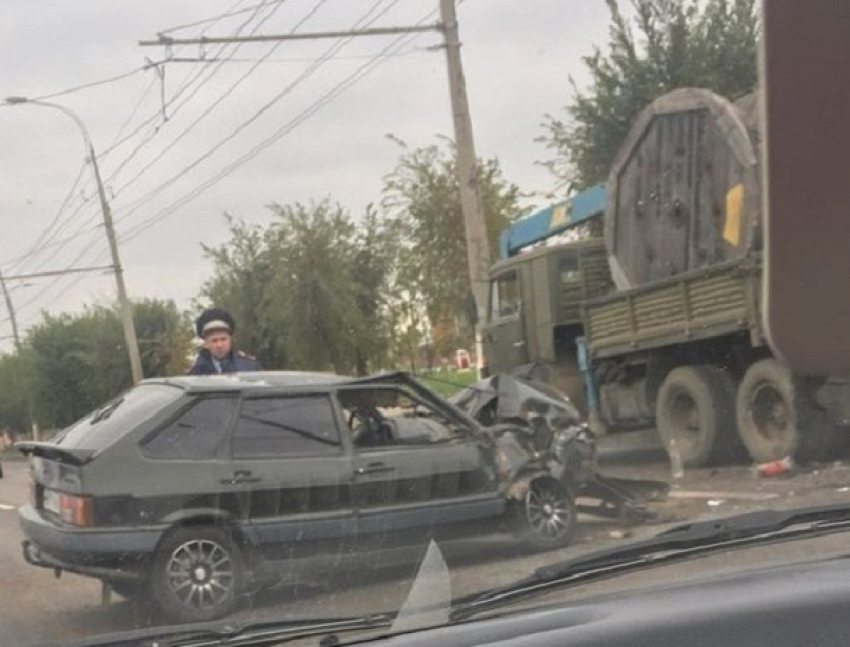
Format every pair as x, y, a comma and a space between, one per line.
200, 574
197, 574
547, 514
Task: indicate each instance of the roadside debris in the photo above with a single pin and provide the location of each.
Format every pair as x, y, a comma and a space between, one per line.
775, 468
716, 495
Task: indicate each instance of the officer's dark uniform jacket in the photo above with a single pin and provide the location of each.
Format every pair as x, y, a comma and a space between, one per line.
236, 362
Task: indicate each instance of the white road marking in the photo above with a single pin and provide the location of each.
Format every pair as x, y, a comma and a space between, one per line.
6, 506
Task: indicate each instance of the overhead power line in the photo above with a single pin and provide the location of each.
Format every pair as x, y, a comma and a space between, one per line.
59, 213
57, 280
329, 96
137, 204
214, 19
86, 86
189, 82
186, 131
43, 244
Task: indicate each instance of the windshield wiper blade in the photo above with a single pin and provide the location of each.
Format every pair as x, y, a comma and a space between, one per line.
240, 634
679, 543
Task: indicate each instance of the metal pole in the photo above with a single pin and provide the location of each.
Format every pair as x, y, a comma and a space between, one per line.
477, 245
125, 308
211, 40
65, 272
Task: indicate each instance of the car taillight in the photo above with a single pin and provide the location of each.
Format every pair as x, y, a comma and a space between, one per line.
76, 510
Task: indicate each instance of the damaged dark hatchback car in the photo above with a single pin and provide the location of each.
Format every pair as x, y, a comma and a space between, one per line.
190, 491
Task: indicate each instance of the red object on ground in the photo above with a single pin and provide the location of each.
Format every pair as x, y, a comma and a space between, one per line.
775, 468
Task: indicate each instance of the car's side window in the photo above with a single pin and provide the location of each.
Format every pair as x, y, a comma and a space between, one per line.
387, 417
194, 434
286, 426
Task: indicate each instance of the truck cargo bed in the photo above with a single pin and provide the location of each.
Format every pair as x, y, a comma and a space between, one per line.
703, 304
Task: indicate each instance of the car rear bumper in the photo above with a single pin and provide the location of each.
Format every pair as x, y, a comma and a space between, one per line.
104, 553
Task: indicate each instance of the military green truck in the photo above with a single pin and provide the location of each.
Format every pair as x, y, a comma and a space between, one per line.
677, 340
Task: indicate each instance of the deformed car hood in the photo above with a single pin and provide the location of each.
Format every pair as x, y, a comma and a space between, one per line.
504, 398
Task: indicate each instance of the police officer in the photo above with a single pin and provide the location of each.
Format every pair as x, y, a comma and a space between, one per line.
216, 327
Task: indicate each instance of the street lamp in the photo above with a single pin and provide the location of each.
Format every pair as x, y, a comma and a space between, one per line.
123, 301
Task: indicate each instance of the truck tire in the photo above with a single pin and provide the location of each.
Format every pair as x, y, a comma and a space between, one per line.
777, 419
696, 409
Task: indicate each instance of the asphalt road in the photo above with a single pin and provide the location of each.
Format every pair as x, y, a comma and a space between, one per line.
36, 608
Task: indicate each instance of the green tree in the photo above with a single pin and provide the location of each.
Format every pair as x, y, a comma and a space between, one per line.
422, 196
243, 282
667, 44
14, 392
80, 361
373, 265
316, 286
309, 290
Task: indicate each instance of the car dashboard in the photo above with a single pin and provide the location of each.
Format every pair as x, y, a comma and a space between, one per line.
792, 605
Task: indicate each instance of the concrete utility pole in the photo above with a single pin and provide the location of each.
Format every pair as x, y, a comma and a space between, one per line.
125, 308
123, 301
475, 227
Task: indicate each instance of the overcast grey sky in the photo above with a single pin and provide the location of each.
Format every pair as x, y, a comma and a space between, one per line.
518, 55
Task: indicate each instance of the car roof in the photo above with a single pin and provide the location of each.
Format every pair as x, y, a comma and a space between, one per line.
254, 380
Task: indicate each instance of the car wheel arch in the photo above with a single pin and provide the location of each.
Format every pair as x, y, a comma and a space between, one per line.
520, 486
208, 517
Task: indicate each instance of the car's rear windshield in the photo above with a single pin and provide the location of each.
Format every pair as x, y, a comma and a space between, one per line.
108, 423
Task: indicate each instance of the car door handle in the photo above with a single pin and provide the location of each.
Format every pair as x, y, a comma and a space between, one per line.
241, 476
374, 468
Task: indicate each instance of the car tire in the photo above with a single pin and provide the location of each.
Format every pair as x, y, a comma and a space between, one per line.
545, 518
695, 412
198, 574
777, 420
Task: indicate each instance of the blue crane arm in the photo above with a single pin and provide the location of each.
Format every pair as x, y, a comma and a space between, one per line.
552, 220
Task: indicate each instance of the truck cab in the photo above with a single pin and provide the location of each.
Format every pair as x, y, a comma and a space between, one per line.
537, 290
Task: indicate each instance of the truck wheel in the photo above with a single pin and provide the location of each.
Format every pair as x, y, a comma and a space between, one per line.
695, 408
776, 420
546, 517
198, 574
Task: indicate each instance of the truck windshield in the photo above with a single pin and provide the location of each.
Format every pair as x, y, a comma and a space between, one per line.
105, 425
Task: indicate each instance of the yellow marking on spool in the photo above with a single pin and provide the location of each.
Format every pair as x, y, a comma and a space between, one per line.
734, 205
